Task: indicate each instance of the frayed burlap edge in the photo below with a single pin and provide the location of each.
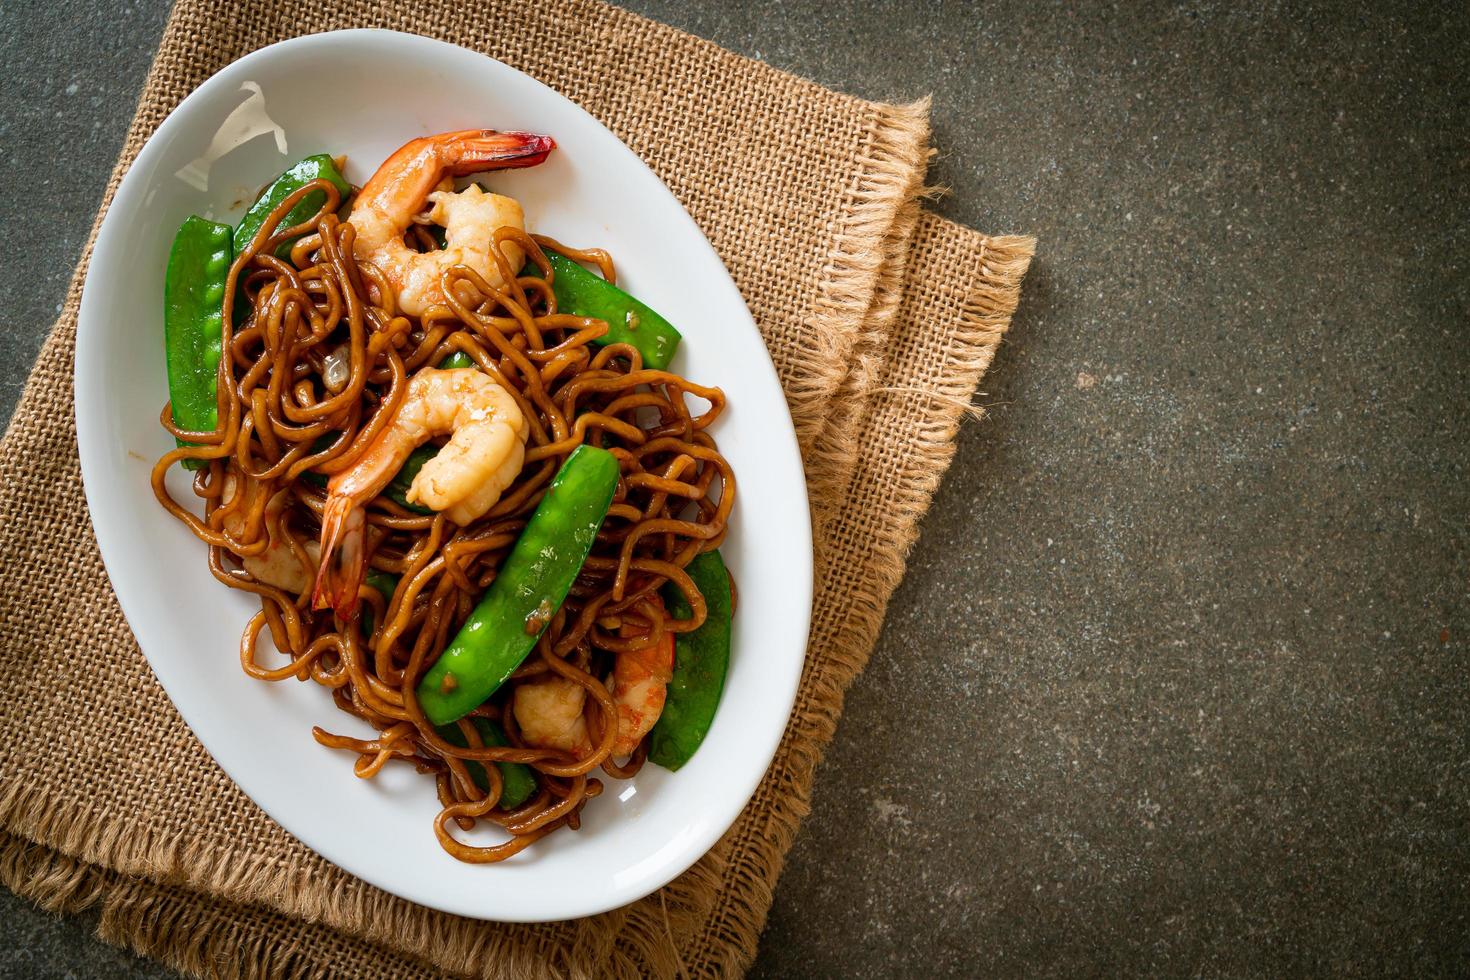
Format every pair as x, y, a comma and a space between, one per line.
870, 241
179, 929
834, 453
728, 942
67, 886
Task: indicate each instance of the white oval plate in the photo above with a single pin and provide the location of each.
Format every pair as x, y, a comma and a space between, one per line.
236, 132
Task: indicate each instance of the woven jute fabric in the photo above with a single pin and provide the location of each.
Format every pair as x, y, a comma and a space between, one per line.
880, 319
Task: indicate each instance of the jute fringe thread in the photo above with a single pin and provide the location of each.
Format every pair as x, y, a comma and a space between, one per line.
758, 851
149, 919
834, 454
890, 167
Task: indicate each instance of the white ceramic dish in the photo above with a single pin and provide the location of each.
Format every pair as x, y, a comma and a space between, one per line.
240, 129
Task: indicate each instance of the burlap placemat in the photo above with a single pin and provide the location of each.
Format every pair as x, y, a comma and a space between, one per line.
880, 320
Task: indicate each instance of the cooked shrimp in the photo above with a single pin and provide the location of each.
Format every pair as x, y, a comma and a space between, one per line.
549, 711
278, 565
640, 682
486, 448
421, 171
549, 714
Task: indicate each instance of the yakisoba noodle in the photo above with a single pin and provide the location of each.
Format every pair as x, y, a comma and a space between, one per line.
310, 377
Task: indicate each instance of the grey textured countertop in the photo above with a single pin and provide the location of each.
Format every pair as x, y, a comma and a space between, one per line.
1177, 680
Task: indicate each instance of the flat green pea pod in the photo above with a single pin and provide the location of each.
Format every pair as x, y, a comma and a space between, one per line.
629, 321
517, 785
193, 322
528, 590
318, 167
701, 659
459, 359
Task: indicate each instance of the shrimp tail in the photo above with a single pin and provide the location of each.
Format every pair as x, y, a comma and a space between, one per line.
343, 563
475, 150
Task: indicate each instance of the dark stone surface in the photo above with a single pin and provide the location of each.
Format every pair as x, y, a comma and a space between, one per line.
1177, 680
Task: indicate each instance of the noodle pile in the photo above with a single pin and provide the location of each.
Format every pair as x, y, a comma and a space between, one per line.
316, 358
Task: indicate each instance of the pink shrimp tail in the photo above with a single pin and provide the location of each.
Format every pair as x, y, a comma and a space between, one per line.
416, 167
473, 150
343, 563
